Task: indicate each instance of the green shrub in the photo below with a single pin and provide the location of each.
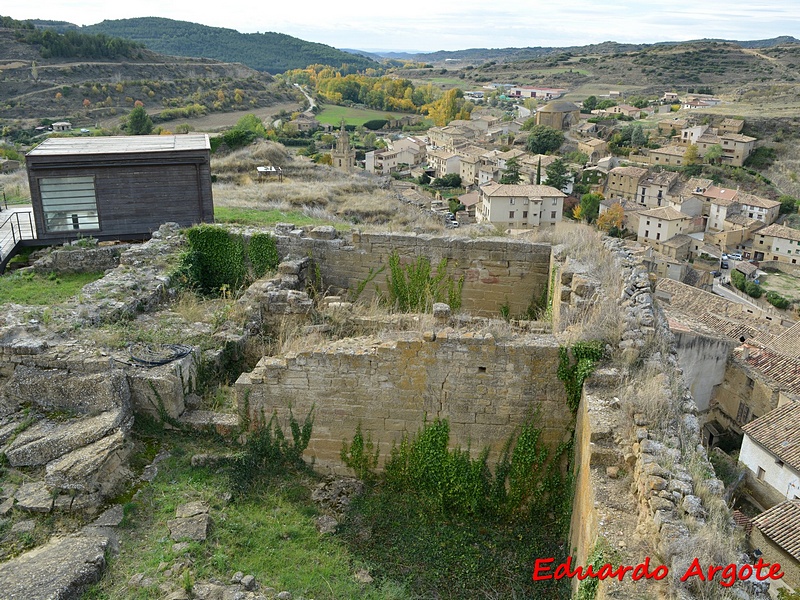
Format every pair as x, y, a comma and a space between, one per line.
263, 254
359, 455
415, 288
738, 280
753, 289
777, 300
215, 260
268, 452
376, 124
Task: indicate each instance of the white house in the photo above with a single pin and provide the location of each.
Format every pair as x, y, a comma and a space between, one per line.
520, 206
771, 449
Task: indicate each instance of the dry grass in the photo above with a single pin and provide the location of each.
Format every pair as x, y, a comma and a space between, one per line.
15, 186
245, 160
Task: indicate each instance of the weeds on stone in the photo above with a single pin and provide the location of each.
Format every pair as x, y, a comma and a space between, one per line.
268, 452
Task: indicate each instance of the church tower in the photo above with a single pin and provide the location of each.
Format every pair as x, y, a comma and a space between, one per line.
343, 157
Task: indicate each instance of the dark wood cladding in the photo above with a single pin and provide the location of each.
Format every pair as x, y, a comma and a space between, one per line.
136, 192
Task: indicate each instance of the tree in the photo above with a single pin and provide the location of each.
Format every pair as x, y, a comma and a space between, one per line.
424, 179
612, 218
590, 206
691, 156
789, 204
139, 122
557, 174
714, 154
512, 175
543, 139
638, 139
539, 172
454, 205
451, 180
590, 103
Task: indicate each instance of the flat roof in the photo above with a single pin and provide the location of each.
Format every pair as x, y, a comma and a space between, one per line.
120, 144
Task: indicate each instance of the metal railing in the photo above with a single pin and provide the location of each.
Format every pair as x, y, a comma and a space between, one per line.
16, 227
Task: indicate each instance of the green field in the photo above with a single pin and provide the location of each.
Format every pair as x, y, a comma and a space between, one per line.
264, 218
333, 115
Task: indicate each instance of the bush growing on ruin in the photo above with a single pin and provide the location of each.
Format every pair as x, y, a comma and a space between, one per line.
414, 287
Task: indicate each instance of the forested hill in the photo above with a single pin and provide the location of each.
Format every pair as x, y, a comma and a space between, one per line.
271, 52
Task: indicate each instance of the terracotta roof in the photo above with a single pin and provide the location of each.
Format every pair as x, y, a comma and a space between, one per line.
787, 343
667, 178
666, 213
636, 172
784, 370
673, 150
751, 200
743, 521
531, 191
781, 524
778, 431
737, 137
717, 193
779, 231
678, 241
745, 267
592, 142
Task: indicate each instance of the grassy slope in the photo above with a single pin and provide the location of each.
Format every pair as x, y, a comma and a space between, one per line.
28, 288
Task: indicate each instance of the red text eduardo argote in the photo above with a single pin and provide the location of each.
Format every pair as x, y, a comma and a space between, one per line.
727, 575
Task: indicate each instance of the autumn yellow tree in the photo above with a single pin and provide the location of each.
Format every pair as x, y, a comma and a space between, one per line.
613, 217
450, 106
691, 156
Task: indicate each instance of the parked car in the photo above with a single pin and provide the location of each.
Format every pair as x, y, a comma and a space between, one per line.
724, 256
716, 273
735, 256
724, 264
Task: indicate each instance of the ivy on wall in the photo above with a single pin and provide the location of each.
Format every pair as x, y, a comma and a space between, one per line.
573, 374
221, 261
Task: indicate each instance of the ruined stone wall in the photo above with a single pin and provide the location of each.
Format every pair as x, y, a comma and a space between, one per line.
703, 360
496, 270
483, 386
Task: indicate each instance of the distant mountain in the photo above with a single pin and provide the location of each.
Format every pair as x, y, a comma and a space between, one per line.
604, 48
271, 52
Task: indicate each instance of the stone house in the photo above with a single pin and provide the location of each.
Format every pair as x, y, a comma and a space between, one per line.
668, 155
776, 533
623, 182
444, 162
777, 242
631, 210
658, 225
62, 126
654, 190
450, 138
520, 206
559, 114
671, 127
731, 125
594, 148
305, 122
771, 451
625, 109
760, 209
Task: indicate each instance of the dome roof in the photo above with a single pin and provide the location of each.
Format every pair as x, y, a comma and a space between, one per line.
559, 106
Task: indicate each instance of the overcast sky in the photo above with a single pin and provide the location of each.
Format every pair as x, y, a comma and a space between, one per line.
425, 25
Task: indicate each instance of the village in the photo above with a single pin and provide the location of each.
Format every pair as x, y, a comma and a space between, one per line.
698, 270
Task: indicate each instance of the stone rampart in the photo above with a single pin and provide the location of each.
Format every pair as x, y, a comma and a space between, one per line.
484, 387
496, 270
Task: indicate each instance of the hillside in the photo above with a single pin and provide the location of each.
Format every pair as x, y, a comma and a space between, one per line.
477, 55
271, 52
87, 91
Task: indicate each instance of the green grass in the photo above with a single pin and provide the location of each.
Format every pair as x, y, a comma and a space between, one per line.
31, 288
269, 533
333, 115
256, 217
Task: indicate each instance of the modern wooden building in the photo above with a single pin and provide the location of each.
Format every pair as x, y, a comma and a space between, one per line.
119, 187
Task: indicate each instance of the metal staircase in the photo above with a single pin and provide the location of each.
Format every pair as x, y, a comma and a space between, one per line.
16, 231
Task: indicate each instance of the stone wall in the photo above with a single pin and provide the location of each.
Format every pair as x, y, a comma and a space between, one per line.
483, 386
76, 259
703, 360
495, 270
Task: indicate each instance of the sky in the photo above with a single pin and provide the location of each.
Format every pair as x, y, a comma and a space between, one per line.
423, 25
